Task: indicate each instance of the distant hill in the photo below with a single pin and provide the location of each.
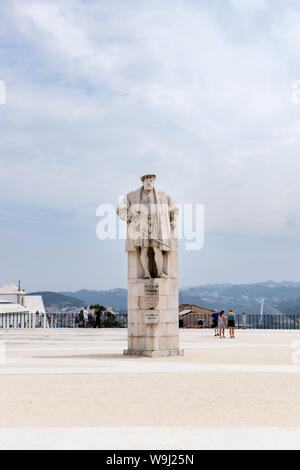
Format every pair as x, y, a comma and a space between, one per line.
291, 307
279, 297
240, 297
115, 298
53, 299
243, 297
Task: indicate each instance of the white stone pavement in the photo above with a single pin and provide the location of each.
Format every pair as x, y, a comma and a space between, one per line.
148, 438
74, 389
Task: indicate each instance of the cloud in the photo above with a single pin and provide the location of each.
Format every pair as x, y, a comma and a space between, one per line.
200, 94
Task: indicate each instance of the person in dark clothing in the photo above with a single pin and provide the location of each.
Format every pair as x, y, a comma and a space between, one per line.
98, 319
215, 317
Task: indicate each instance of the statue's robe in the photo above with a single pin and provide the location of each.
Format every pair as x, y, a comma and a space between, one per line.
148, 224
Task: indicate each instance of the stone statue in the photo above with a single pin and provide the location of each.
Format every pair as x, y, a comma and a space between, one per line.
151, 245
151, 218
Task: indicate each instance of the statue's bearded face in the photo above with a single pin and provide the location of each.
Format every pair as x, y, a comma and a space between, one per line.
148, 184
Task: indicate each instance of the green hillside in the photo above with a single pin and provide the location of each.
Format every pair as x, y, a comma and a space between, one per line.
53, 299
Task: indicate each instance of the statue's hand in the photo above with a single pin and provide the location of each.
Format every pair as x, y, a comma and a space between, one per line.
132, 218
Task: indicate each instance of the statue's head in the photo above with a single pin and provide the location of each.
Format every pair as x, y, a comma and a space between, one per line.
148, 181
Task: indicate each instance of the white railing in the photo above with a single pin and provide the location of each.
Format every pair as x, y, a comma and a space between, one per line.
23, 320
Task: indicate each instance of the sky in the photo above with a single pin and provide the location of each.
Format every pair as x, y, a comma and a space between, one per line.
205, 94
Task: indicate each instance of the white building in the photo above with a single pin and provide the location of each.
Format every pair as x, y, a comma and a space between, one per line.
27, 312
13, 315
35, 305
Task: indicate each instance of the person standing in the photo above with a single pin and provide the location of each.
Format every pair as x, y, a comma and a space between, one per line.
215, 316
85, 317
98, 318
222, 324
231, 323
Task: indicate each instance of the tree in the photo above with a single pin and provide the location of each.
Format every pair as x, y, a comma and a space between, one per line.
79, 319
109, 318
99, 309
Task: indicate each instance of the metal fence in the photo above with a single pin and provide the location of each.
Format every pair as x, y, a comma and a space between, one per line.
249, 321
73, 320
193, 321
273, 322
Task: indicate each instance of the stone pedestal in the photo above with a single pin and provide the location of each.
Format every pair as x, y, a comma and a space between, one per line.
153, 310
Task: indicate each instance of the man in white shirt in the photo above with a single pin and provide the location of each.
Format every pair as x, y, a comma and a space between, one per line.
85, 317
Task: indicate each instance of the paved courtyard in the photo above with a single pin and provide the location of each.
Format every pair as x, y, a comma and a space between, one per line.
74, 389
